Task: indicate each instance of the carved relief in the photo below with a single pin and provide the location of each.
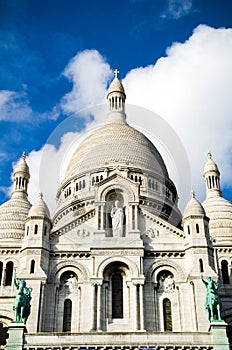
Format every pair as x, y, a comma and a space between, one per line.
166, 282
82, 233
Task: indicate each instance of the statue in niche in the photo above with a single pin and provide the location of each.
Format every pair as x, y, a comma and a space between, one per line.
117, 219
166, 283
71, 283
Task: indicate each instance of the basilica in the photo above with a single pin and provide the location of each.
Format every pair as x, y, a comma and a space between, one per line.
117, 265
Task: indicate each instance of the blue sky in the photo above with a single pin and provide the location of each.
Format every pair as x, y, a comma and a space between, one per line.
39, 46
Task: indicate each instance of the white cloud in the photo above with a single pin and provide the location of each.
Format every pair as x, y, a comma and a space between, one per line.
89, 73
190, 89
14, 106
45, 170
177, 9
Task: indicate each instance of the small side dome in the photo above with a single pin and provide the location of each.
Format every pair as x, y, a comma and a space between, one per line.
39, 208
210, 165
116, 85
22, 165
194, 207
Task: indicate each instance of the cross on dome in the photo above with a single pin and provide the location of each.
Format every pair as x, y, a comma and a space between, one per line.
192, 194
116, 72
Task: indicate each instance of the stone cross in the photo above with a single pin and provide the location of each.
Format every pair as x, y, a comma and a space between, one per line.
116, 72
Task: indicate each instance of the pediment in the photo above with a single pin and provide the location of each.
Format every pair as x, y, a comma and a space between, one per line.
159, 232
114, 181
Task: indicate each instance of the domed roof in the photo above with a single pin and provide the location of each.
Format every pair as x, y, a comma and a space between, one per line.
116, 142
219, 211
210, 165
39, 208
193, 207
13, 214
116, 86
22, 165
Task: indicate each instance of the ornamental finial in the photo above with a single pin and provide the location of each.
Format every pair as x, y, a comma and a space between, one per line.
24, 155
116, 72
209, 155
192, 194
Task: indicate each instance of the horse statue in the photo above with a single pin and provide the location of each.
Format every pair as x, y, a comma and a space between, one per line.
22, 300
212, 301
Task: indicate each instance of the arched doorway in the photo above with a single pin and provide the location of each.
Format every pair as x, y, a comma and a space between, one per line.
3, 334
68, 303
117, 292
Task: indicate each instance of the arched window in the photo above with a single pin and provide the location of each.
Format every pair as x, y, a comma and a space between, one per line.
32, 268
167, 312
117, 295
9, 273
3, 334
210, 186
36, 230
225, 274
1, 268
27, 230
188, 227
67, 318
197, 228
149, 183
201, 266
45, 230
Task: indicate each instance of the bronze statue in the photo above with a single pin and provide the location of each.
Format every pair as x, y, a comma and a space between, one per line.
22, 300
212, 301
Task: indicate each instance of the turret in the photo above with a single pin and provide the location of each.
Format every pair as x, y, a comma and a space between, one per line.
37, 229
116, 100
21, 178
195, 225
212, 178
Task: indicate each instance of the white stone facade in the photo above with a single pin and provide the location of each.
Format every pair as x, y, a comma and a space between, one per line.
116, 274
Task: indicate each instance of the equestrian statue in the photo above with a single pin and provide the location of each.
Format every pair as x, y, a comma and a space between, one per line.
22, 300
212, 301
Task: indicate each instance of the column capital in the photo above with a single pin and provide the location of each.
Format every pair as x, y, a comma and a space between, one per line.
138, 281
96, 281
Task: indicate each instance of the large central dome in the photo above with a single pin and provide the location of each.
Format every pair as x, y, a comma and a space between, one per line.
116, 142
117, 157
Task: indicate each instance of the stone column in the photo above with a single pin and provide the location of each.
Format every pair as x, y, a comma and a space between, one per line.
135, 307
98, 307
79, 308
136, 217
93, 327
16, 335
141, 308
